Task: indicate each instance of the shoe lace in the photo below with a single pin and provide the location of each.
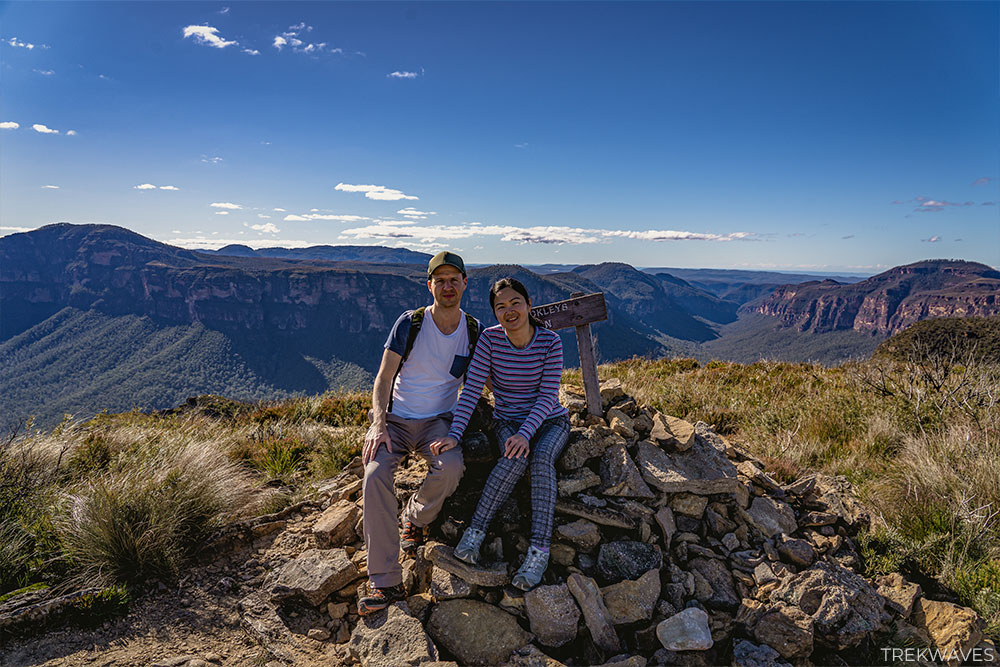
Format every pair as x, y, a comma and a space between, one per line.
535, 560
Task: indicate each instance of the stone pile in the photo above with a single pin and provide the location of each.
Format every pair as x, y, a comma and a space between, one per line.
671, 547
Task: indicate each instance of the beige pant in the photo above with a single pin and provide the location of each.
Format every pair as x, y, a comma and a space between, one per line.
381, 527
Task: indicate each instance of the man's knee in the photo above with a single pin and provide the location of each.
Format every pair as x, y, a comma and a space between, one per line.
378, 474
450, 466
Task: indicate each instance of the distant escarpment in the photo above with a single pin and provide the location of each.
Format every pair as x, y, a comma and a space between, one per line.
889, 302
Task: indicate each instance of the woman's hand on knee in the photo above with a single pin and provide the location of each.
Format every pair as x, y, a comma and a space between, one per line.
443, 444
516, 446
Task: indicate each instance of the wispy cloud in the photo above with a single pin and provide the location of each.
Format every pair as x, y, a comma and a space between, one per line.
169, 187
933, 239
44, 72
413, 213
9, 125
930, 205
522, 145
70, 133
4, 231
214, 243
14, 41
207, 35
42, 129
50, 187
551, 235
325, 216
223, 11
279, 42
144, 186
402, 75
378, 192
279, 210
211, 160
251, 52
266, 227
849, 236
222, 212
265, 217
226, 204
985, 180
293, 39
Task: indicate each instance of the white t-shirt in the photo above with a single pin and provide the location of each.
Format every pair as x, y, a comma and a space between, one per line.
431, 376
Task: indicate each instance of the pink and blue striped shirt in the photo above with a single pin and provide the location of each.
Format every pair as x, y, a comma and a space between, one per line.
525, 380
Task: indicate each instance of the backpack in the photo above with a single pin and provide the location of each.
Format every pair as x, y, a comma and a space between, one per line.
416, 321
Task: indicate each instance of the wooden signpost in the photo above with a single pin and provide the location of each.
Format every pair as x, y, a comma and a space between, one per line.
579, 311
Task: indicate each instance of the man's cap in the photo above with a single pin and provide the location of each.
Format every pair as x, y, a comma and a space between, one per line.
444, 258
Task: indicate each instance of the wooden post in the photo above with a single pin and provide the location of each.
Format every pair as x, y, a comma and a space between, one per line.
579, 311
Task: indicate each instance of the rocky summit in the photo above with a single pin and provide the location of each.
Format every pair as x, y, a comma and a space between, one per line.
672, 546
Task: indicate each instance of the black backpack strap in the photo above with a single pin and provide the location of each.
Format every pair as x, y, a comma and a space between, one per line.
416, 320
472, 324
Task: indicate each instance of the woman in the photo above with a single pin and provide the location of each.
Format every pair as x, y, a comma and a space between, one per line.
524, 362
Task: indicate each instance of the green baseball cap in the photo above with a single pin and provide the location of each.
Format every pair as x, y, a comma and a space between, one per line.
445, 258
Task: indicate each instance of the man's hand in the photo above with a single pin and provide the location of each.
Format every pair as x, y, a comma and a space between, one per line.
376, 435
516, 446
443, 444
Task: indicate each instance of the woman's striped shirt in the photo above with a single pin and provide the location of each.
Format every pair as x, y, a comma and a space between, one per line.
525, 381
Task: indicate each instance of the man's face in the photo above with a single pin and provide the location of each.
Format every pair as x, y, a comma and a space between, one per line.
447, 284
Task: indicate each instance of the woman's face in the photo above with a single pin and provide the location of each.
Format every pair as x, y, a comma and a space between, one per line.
511, 309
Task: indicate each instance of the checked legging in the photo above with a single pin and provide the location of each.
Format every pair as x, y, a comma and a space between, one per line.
544, 448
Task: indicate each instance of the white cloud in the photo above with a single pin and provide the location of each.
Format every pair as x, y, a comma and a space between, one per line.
251, 52
523, 145
266, 227
411, 212
45, 72
222, 212
555, 235
70, 133
14, 41
144, 186
402, 75
211, 160
226, 204
279, 42
279, 210
378, 192
50, 187
265, 217
224, 10
4, 231
214, 243
169, 187
325, 216
9, 125
933, 239
38, 127
206, 35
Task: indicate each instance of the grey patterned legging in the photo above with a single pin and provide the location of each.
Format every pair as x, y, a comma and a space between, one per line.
544, 448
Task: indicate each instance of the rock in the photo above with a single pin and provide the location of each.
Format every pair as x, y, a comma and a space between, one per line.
630, 601
313, 575
611, 391
787, 629
447, 586
703, 469
531, 656
730, 541
816, 519
512, 600
772, 517
391, 638
672, 431
576, 481
950, 627
844, 607
621, 423
685, 631
599, 515
260, 621
627, 559
318, 634
581, 533
748, 654
419, 604
337, 610
562, 554
585, 447
689, 504
797, 552
335, 526
642, 423
620, 476
625, 661
757, 476
595, 613
443, 557
900, 595
476, 448
665, 519
476, 633
552, 614
716, 574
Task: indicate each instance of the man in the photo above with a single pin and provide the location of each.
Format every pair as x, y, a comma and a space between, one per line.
415, 393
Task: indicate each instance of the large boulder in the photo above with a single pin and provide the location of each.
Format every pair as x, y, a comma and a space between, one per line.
476, 633
787, 629
843, 607
951, 628
552, 614
672, 431
313, 575
335, 526
391, 638
581, 449
703, 469
633, 599
772, 517
719, 579
595, 613
443, 557
620, 476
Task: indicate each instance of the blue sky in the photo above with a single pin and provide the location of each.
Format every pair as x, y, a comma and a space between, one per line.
798, 136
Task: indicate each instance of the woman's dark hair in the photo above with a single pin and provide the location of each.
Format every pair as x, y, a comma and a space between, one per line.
518, 287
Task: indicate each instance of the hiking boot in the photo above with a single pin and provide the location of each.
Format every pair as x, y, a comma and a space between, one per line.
378, 599
411, 537
532, 569
467, 550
